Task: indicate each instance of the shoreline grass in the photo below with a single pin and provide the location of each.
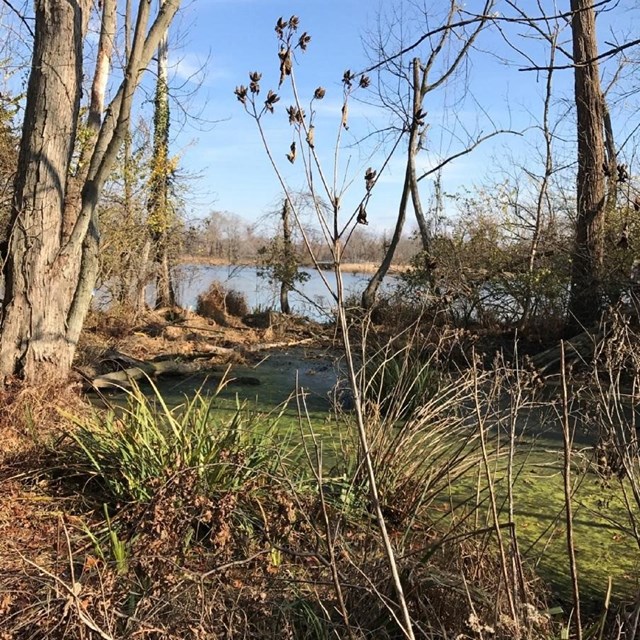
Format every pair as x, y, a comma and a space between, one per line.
368, 268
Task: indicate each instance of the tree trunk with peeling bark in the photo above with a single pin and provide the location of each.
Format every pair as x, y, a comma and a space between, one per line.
51, 265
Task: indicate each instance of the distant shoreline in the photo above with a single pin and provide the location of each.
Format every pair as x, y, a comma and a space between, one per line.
347, 267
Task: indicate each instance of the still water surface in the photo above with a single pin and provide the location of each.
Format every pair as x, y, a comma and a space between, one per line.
313, 300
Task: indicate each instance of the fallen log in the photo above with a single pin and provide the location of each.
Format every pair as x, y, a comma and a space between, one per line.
241, 349
138, 369
580, 348
123, 379
285, 344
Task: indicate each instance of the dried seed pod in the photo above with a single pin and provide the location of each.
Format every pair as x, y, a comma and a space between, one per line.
291, 113
623, 174
241, 93
370, 178
285, 63
364, 82
304, 40
291, 156
281, 25
272, 98
310, 136
347, 78
319, 93
362, 215
345, 116
296, 115
254, 86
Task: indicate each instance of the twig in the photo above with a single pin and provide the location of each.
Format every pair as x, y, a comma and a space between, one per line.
317, 473
492, 496
73, 593
568, 441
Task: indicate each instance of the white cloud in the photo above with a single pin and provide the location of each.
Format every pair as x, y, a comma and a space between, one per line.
197, 69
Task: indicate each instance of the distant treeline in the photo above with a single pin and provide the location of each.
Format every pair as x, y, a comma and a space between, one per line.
227, 237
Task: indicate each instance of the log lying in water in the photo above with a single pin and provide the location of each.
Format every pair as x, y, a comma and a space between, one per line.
142, 370
139, 369
122, 379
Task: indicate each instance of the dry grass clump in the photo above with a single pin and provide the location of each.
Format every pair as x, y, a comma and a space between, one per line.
219, 303
116, 321
30, 416
453, 590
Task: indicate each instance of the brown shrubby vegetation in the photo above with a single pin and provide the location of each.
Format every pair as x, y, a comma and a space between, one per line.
218, 303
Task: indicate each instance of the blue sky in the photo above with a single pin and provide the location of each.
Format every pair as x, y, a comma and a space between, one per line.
235, 170
233, 37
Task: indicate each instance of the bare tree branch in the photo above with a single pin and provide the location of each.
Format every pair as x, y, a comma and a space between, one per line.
472, 20
464, 152
607, 54
20, 17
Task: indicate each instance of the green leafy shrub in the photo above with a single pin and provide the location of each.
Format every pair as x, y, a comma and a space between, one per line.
130, 452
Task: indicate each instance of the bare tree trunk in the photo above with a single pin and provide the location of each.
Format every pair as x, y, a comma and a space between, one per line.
39, 288
414, 147
588, 255
371, 291
289, 257
159, 206
52, 256
410, 188
415, 127
141, 279
137, 268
